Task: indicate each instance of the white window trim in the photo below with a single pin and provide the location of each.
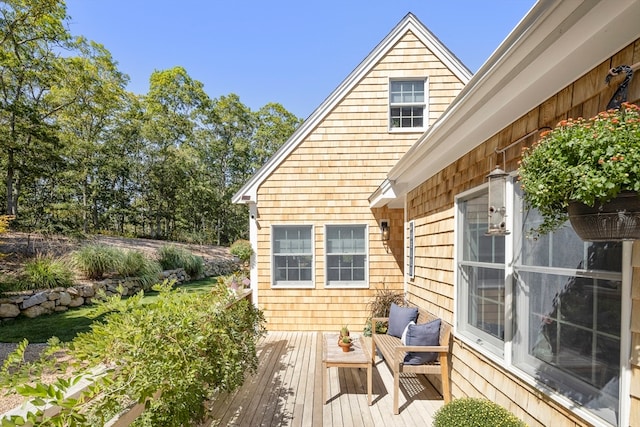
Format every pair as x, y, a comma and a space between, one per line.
411, 250
506, 361
292, 284
425, 112
347, 285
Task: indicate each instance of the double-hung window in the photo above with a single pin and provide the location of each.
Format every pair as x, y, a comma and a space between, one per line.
346, 255
407, 104
292, 255
546, 307
481, 273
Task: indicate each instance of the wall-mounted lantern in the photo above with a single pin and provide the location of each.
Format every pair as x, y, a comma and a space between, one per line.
497, 206
384, 230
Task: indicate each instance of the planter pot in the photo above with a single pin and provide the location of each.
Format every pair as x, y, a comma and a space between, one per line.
618, 219
345, 346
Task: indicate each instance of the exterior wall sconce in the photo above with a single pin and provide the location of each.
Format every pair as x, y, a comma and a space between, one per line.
384, 230
497, 209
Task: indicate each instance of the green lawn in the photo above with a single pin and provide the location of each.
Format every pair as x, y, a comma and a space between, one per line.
68, 324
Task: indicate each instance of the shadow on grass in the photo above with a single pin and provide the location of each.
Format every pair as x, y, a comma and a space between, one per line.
66, 325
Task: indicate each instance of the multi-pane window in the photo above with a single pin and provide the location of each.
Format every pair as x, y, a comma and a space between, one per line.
407, 105
346, 255
569, 294
556, 301
482, 270
292, 255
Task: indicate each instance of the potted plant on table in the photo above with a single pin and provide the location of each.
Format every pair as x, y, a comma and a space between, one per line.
345, 343
587, 171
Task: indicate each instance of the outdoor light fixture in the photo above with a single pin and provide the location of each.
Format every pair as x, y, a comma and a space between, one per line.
497, 210
384, 230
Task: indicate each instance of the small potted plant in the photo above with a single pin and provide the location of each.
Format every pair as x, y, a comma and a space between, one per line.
345, 343
587, 171
344, 331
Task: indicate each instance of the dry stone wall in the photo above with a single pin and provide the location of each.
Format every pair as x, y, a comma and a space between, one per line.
38, 302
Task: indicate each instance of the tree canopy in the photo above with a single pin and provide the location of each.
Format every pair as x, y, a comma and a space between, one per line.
79, 153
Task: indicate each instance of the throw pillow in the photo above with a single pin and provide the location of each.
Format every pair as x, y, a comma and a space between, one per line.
399, 318
403, 338
422, 334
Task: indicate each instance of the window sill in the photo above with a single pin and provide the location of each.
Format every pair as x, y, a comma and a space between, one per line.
407, 130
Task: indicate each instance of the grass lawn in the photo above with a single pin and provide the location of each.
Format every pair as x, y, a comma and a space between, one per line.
66, 325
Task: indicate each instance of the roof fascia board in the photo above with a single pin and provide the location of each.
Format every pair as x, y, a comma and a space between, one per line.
248, 193
539, 58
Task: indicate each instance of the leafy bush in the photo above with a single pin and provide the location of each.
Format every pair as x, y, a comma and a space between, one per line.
183, 348
242, 249
173, 257
96, 260
136, 264
45, 272
473, 412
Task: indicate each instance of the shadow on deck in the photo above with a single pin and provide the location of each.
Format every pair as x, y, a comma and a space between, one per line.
287, 391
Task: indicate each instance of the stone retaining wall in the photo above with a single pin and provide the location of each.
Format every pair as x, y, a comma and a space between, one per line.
38, 302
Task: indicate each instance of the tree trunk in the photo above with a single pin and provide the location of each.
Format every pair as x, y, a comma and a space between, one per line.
9, 183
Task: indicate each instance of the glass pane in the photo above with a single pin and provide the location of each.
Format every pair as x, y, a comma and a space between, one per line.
292, 268
564, 249
486, 290
476, 246
292, 240
346, 268
573, 333
346, 239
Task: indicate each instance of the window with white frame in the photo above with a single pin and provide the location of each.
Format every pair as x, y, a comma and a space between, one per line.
292, 255
346, 255
411, 255
407, 104
563, 296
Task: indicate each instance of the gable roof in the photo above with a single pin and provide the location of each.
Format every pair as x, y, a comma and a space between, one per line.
556, 43
248, 193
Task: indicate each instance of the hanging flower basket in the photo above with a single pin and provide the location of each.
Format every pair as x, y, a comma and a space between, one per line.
579, 167
618, 219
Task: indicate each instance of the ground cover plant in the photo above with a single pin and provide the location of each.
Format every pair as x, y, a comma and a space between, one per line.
474, 412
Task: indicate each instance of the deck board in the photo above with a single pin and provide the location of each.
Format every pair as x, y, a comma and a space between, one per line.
287, 391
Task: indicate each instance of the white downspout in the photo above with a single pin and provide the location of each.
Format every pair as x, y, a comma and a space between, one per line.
253, 239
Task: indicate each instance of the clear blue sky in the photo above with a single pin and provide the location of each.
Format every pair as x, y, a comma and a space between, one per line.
291, 52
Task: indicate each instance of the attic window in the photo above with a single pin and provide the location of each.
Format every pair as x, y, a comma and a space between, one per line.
407, 105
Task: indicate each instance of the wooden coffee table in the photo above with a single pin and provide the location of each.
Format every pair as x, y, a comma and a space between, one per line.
333, 356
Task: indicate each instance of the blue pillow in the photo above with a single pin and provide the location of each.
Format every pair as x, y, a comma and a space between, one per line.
399, 318
422, 334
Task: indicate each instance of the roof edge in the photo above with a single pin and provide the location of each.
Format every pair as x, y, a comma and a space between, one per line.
248, 192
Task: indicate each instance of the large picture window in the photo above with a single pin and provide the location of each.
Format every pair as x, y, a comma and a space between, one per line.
407, 104
561, 295
346, 255
292, 255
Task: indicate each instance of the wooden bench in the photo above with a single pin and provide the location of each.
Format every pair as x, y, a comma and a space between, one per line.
394, 352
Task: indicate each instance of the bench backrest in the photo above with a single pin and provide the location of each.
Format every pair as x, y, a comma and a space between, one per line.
445, 328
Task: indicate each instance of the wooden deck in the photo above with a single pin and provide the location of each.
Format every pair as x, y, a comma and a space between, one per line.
287, 391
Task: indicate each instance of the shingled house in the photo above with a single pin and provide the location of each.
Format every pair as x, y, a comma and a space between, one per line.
549, 327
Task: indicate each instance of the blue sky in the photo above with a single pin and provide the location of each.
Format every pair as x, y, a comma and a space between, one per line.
291, 52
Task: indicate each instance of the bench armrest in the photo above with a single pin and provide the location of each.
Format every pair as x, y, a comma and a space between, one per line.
375, 320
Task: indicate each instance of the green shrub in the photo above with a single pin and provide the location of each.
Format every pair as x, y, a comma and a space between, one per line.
136, 264
45, 272
473, 412
242, 249
184, 348
96, 260
173, 257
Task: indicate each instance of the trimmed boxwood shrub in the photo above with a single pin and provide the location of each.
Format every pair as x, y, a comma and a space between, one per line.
474, 412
